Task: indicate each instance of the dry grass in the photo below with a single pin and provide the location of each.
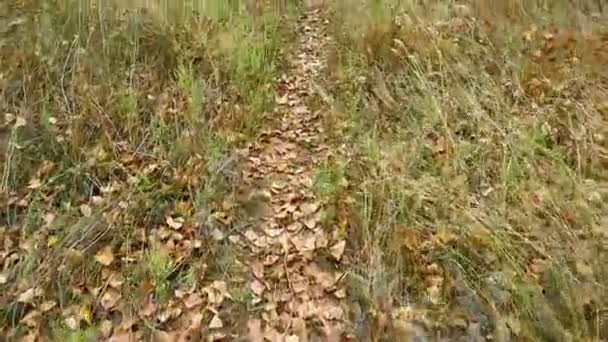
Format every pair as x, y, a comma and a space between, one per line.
116, 116
479, 172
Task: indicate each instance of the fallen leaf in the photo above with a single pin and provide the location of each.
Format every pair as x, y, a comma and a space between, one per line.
85, 314
194, 299
216, 323
270, 259
110, 298
52, 240
105, 256
105, 328
35, 183
27, 296
340, 294
257, 287
72, 323
47, 306
309, 208
175, 223
86, 210
3, 278
312, 221
294, 227
148, 307
217, 235
337, 250
258, 269
31, 319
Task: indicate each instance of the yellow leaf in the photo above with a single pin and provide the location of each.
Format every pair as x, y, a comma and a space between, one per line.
85, 314
105, 256
52, 241
342, 227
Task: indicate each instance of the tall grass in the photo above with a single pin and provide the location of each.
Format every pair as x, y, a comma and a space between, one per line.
480, 161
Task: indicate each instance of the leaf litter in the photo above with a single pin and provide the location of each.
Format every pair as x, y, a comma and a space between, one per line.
299, 293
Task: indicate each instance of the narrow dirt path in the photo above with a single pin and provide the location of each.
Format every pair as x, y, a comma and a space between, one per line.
292, 257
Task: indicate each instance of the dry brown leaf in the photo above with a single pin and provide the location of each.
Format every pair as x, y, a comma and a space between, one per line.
47, 306
294, 227
304, 242
271, 259
340, 294
35, 183
312, 221
194, 299
174, 223
337, 250
31, 319
258, 269
105, 328
257, 287
27, 296
216, 323
71, 322
115, 280
323, 278
105, 256
148, 307
110, 298
86, 210
309, 208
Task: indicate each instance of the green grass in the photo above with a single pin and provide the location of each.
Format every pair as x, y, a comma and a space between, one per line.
477, 163
133, 111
